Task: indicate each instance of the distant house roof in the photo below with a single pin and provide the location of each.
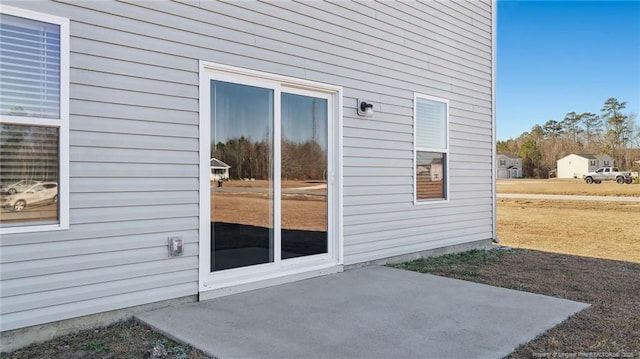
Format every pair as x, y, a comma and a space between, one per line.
217, 163
508, 155
587, 156
592, 156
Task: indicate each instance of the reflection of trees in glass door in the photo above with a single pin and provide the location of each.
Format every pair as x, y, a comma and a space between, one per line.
244, 210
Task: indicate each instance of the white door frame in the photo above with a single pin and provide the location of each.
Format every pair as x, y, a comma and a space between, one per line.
235, 280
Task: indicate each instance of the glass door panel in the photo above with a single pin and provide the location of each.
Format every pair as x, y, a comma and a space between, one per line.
303, 175
242, 183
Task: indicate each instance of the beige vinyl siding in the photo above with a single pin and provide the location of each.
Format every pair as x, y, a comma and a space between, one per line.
134, 136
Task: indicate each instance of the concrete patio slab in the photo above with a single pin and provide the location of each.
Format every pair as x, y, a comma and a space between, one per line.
371, 312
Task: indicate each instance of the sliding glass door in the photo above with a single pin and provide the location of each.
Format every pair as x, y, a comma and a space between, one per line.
269, 174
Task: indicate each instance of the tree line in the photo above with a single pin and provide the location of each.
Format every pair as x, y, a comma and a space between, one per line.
253, 159
613, 132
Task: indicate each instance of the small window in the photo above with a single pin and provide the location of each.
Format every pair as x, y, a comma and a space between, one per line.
431, 148
34, 121
503, 162
592, 163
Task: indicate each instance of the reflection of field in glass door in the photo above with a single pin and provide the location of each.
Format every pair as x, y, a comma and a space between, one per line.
243, 206
245, 202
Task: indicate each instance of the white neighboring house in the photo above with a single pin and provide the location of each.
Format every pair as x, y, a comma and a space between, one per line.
219, 170
576, 165
508, 166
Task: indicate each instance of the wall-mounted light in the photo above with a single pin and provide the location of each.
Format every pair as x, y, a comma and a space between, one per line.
365, 108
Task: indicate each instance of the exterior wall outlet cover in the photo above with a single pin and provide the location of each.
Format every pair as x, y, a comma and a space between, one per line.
176, 246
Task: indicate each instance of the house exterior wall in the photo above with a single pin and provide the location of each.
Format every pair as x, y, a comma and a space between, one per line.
604, 161
574, 166
134, 136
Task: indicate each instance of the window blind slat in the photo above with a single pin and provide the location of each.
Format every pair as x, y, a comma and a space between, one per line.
44, 97
30, 78
13, 87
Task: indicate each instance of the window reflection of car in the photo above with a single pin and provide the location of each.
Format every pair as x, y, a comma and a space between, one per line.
41, 193
20, 186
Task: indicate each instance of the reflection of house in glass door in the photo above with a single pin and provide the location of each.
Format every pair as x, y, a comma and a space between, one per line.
219, 170
276, 207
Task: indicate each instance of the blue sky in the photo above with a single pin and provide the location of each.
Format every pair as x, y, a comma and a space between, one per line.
556, 57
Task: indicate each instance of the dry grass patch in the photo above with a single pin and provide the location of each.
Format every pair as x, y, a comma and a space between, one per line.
610, 325
591, 229
568, 187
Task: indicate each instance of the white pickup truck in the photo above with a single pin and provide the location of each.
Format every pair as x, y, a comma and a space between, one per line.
608, 174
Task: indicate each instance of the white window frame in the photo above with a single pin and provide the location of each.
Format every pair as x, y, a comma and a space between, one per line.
62, 123
417, 149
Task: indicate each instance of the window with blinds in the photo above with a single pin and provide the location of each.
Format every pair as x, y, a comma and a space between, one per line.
34, 121
431, 138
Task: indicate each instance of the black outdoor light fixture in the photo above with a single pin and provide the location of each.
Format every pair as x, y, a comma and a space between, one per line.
365, 108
